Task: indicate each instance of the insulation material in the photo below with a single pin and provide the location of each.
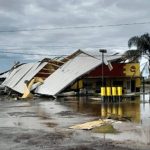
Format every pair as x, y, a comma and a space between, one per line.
88, 125
92, 124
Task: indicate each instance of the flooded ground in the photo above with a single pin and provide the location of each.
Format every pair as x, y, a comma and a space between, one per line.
133, 114
43, 124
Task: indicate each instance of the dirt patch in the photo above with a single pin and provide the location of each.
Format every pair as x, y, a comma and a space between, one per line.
66, 113
99, 146
23, 114
81, 147
61, 140
44, 117
49, 139
51, 124
23, 137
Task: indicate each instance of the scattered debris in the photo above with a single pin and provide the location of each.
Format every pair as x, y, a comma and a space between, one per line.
98, 126
92, 124
31, 85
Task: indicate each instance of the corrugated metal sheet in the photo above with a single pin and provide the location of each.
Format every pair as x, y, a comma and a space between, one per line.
4, 75
24, 72
68, 73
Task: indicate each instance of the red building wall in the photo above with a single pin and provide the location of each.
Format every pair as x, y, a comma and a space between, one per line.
117, 71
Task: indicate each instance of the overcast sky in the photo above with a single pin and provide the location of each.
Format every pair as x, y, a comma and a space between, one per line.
53, 15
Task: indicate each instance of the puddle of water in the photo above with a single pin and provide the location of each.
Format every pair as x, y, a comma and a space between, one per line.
127, 110
19, 115
134, 112
60, 114
65, 112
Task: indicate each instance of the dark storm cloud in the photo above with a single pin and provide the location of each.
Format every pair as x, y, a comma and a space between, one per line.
31, 14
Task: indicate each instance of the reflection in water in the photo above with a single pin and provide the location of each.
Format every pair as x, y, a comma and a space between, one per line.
123, 111
126, 110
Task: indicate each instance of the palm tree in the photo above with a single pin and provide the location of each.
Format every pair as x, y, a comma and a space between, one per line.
143, 45
132, 56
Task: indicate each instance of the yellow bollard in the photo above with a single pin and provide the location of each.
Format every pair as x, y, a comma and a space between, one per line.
114, 91
108, 91
103, 92
119, 89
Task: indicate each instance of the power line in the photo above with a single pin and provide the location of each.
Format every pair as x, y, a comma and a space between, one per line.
21, 53
45, 47
77, 47
52, 55
76, 27
60, 45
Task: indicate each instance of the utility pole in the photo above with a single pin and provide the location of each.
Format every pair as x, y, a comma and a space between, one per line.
102, 51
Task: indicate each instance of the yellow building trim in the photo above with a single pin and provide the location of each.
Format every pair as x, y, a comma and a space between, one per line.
132, 69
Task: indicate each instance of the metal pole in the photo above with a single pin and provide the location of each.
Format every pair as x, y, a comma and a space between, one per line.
143, 90
102, 69
103, 51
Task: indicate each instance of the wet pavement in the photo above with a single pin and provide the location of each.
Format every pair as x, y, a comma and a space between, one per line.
43, 124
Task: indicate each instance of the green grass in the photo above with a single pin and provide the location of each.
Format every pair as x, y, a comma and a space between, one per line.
106, 128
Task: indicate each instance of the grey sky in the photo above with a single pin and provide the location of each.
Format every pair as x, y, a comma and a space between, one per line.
33, 14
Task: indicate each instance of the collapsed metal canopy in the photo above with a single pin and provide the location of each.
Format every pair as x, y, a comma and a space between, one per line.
68, 73
4, 75
24, 72
57, 78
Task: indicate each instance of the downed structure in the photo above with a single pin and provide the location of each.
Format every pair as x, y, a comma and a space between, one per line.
3, 76
73, 70
79, 71
26, 77
68, 73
